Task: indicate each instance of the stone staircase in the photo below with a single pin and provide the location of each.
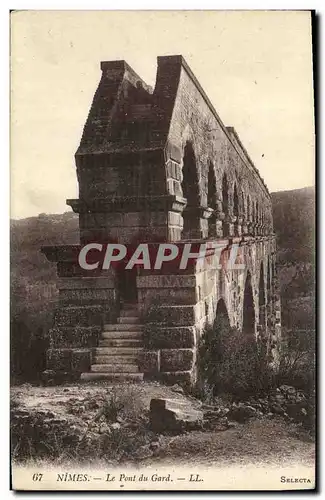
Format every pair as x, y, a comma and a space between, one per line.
116, 357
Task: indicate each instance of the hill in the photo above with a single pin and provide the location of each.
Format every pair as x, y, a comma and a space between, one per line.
33, 288
294, 225
33, 277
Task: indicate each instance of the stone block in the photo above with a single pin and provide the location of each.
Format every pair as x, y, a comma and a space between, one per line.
171, 415
81, 360
174, 219
176, 360
172, 296
127, 235
184, 379
86, 296
79, 315
107, 282
157, 218
183, 315
149, 362
167, 281
90, 221
75, 336
241, 412
172, 337
174, 233
58, 360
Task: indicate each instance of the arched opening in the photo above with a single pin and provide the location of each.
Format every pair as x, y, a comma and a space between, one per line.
268, 289
222, 319
225, 195
221, 322
190, 182
225, 204
213, 350
236, 202
269, 267
212, 190
256, 213
248, 215
248, 308
263, 221
248, 208
190, 186
212, 194
261, 298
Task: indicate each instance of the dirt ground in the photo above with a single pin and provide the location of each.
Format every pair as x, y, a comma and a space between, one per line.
263, 440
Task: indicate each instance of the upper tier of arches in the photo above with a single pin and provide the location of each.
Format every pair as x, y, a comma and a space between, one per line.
228, 199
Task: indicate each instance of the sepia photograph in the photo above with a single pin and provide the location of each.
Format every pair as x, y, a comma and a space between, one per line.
162, 250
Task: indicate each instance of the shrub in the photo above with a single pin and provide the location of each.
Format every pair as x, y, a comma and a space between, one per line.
297, 361
29, 341
231, 362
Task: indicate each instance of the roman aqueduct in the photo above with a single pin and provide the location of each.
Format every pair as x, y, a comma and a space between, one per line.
160, 166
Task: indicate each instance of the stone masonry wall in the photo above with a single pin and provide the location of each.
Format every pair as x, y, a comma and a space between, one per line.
185, 303
157, 165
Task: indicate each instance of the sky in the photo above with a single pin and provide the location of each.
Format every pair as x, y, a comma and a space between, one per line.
255, 66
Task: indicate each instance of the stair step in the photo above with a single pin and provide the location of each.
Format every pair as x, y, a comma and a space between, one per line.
122, 335
128, 320
112, 377
118, 351
125, 313
120, 360
115, 368
122, 327
120, 343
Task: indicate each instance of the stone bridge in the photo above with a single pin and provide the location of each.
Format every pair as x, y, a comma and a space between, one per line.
160, 166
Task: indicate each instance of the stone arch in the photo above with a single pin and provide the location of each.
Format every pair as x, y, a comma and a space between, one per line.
225, 204
188, 136
212, 199
248, 307
190, 187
